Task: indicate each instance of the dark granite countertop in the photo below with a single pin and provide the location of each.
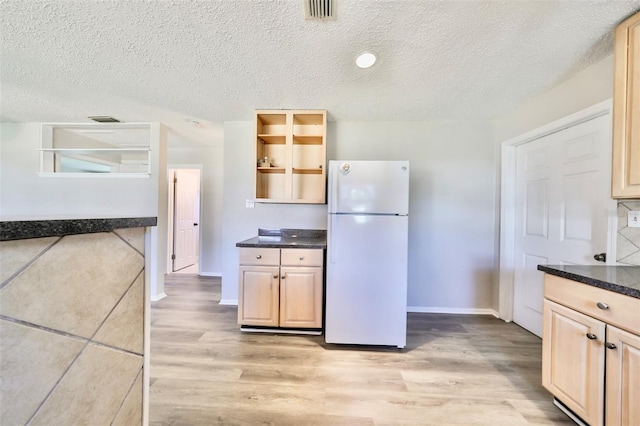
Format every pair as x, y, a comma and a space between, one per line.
620, 279
288, 238
25, 229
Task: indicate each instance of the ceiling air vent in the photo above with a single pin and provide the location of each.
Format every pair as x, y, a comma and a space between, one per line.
320, 9
104, 119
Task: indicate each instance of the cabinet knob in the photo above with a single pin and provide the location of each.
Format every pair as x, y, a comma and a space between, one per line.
602, 305
610, 345
282, 277
275, 276
301, 257
259, 256
591, 336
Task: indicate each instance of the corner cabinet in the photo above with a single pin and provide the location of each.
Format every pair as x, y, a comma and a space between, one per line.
591, 351
281, 288
290, 156
625, 178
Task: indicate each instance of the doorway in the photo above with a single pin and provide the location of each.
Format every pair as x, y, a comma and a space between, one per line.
555, 207
184, 220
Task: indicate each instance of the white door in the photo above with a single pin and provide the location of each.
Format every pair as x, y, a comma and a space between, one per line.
186, 218
562, 196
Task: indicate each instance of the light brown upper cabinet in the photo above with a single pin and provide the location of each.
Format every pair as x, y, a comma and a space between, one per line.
291, 156
625, 179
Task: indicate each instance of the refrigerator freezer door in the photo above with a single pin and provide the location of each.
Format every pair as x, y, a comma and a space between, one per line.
378, 187
366, 299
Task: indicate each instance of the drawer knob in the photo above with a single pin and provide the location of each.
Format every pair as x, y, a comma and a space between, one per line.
591, 336
610, 345
301, 257
602, 305
259, 256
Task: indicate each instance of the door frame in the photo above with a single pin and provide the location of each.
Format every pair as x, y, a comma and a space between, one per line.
170, 212
508, 200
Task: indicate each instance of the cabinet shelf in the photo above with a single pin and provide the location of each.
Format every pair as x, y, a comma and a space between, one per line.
295, 140
266, 138
308, 171
271, 169
307, 139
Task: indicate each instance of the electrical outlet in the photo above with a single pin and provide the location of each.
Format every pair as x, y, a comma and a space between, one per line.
250, 204
633, 220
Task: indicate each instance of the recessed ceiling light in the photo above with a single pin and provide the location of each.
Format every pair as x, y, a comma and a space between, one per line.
365, 60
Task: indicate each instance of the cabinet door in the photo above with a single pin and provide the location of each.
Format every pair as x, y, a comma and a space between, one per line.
625, 178
301, 297
573, 360
258, 299
623, 378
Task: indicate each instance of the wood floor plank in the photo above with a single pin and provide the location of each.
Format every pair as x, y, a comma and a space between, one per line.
455, 370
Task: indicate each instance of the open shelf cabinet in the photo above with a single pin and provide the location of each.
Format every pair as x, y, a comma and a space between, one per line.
291, 156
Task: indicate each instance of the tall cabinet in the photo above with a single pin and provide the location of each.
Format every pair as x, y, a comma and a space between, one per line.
625, 178
290, 156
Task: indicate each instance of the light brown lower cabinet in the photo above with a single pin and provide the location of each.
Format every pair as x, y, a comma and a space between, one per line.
589, 364
281, 287
623, 378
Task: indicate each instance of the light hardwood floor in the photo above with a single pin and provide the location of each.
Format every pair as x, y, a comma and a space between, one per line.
455, 370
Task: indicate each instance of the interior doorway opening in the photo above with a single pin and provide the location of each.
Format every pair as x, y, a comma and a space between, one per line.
184, 229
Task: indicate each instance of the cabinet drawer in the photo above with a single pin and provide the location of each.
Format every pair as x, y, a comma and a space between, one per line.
623, 311
301, 257
259, 256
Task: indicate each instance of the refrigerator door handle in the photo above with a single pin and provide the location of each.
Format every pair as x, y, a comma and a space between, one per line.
332, 229
333, 188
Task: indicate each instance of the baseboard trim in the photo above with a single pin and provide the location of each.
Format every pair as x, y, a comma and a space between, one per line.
158, 297
459, 311
211, 274
231, 302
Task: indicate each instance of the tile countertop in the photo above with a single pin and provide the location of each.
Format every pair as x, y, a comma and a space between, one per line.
25, 229
289, 238
620, 279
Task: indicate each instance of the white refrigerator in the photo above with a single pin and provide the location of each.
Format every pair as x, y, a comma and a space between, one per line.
367, 238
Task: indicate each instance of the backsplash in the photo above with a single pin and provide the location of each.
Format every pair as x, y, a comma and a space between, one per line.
628, 246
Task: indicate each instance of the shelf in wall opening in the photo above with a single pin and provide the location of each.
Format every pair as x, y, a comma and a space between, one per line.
271, 169
272, 139
317, 171
307, 139
89, 150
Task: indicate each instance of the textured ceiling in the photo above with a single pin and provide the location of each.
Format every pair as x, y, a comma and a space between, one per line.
219, 60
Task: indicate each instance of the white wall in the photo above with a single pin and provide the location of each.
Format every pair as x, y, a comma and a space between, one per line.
24, 194
451, 225
211, 160
589, 87
240, 223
